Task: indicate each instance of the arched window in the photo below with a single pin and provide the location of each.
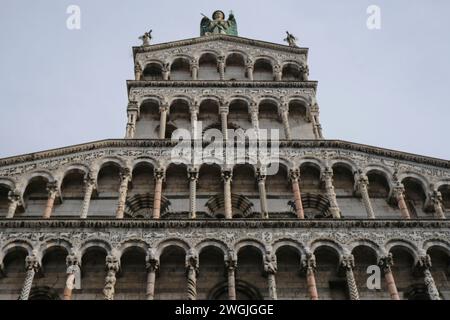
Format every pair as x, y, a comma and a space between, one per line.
235, 67
263, 70
180, 69
153, 71
208, 67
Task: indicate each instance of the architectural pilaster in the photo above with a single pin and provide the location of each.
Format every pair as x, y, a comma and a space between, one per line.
125, 176
424, 265
89, 186
32, 266
112, 267
73, 275
270, 268
192, 272
331, 195
14, 201
261, 179
52, 189
231, 265
193, 178
309, 268
227, 176
385, 263
159, 178
137, 71
152, 266
399, 194
294, 175
348, 263
363, 182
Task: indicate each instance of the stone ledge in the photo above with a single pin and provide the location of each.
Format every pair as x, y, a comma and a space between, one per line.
207, 223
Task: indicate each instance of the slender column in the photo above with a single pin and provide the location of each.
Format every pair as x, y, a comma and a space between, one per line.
89, 185
152, 265
331, 195
284, 112
166, 71
52, 190
385, 263
348, 263
436, 200
125, 176
137, 71
73, 275
309, 267
193, 178
192, 272
231, 265
112, 267
224, 120
424, 265
270, 268
132, 113
363, 182
14, 201
277, 72
163, 109
193, 109
221, 66
261, 178
227, 176
294, 177
159, 177
249, 67
399, 194
194, 69
253, 109
32, 266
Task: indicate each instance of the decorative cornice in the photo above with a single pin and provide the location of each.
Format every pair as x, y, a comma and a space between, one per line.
223, 224
221, 84
158, 143
218, 37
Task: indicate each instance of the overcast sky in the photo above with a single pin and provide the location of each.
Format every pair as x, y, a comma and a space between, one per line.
388, 88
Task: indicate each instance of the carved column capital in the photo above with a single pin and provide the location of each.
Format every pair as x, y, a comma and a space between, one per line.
14, 196
231, 260
32, 262
308, 263
159, 173
112, 263
294, 174
347, 262
270, 263
52, 188
192, 261
192, 174
424, 262
152, 261
386, 262
227, 175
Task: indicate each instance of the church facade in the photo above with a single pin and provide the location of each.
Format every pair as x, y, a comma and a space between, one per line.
132, 219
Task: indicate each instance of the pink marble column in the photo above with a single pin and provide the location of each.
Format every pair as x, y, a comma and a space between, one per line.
52, 190
294, 176
159, 177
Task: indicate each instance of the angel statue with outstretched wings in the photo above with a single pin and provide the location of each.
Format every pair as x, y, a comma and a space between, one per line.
218, 25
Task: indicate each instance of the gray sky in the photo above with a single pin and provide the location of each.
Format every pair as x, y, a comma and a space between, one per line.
388, 88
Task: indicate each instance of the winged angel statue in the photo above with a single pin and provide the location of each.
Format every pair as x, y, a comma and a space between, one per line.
218, 25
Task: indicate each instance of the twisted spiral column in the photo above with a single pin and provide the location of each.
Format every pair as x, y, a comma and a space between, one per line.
32, 266
348, 263
192, 271
331, 195
125, 176
89, 185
